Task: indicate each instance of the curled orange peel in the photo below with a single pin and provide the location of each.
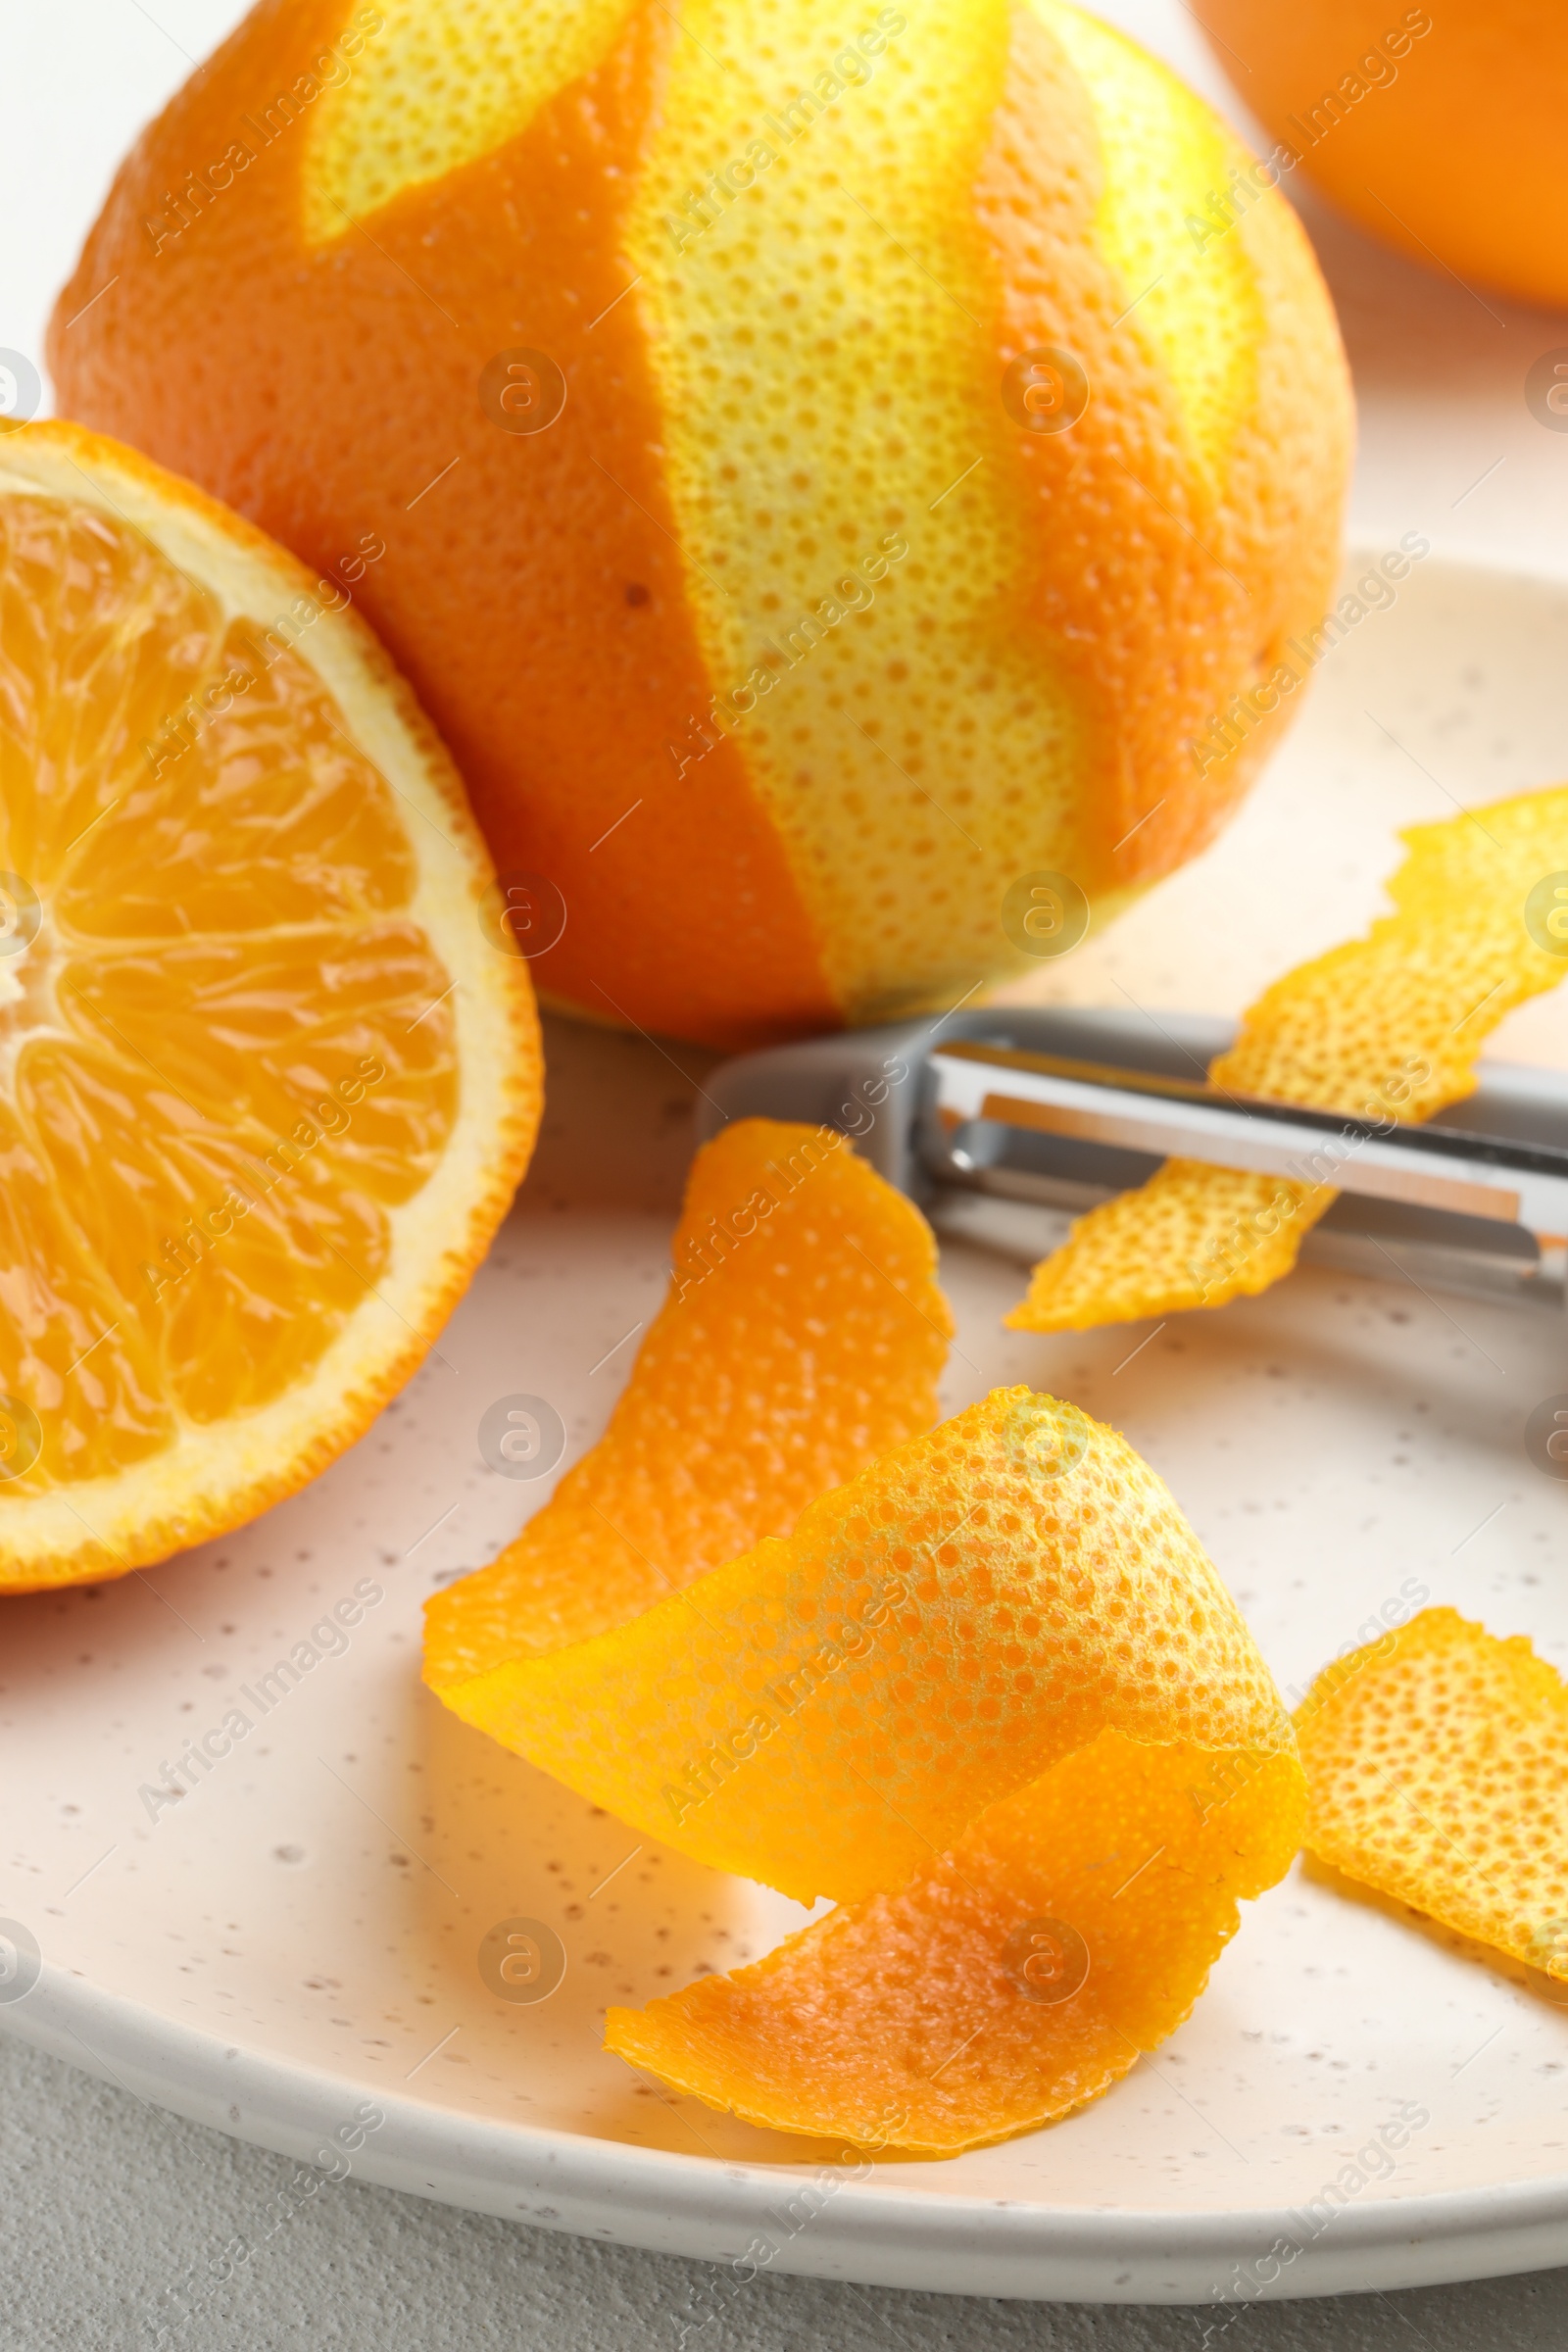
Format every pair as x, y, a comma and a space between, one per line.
1437, 1764
987, 1694
1388, 1027
803, 1335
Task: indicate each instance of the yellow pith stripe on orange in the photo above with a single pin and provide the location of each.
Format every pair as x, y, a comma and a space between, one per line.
904, 731
1391, 1025
819, 425
436, 86
1434, 1764
1165, 154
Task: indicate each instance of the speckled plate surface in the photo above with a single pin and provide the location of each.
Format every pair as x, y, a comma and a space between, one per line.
292, 1950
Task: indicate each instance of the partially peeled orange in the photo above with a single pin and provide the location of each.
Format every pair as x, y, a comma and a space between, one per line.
822, 480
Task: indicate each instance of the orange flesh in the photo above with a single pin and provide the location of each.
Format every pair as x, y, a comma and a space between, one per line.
1389, 1026
209, 1049
1435, 1763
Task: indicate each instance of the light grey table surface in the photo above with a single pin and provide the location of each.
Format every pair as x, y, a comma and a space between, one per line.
108, 2202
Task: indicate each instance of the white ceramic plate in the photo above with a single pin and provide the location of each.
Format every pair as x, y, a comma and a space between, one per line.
299, 1934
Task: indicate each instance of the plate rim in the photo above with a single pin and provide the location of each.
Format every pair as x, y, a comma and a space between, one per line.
665, 2202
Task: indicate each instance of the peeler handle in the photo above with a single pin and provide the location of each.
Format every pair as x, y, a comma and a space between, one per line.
871, 1083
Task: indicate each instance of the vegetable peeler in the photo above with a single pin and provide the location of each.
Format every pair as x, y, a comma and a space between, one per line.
1007, 1122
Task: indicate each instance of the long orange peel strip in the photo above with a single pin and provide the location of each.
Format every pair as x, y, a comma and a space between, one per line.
1437, 1764
1389, 1026
988, 1694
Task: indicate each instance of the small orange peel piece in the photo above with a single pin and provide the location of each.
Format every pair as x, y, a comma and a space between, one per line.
988, 1694
1437, 1764
1388, 1027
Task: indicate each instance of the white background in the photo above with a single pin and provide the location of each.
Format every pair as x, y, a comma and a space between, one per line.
108, 2199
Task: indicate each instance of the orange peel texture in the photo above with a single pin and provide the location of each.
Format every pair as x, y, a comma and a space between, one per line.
860, 642
988, 1694
1435, 1773
803, 1335
1388, 1027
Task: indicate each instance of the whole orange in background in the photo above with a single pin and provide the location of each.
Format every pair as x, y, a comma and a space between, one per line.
1442, 131
813, 482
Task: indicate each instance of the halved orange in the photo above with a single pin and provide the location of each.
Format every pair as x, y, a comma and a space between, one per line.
265, 1085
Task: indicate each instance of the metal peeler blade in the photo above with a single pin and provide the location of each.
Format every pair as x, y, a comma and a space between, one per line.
1007, 1122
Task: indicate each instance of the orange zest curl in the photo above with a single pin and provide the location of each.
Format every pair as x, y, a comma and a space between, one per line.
987, 1692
